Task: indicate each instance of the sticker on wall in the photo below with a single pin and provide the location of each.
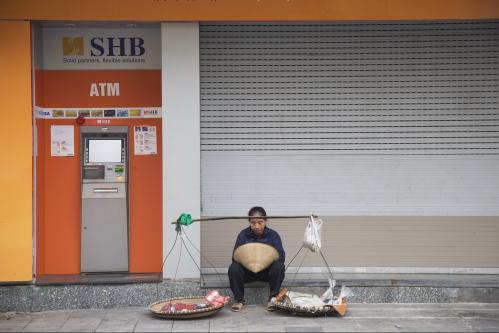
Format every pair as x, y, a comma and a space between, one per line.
84, 113
122, 113
109, 113
71, 114
40, 113
151, 113
57, 113
134, 113
62, 140
96, 113
145, 140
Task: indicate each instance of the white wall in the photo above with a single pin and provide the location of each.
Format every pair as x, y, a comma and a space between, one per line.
181, 141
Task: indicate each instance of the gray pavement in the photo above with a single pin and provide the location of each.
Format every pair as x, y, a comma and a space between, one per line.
454, 317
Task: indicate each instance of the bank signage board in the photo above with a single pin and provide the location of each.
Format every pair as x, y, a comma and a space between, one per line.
98, 72
101, 48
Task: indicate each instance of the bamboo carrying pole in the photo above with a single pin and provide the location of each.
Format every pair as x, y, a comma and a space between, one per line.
247, 217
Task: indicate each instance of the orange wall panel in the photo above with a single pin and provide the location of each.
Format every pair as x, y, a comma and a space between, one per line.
59, 204
16, 220
146, 213
249, 10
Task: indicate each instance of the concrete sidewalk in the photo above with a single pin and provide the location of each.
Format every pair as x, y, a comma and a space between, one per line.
457, 317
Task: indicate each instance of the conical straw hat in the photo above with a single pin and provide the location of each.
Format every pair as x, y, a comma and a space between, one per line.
255, 256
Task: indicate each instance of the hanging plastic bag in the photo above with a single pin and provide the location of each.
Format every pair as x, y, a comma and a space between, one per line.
344, 293
328, 295
312, 239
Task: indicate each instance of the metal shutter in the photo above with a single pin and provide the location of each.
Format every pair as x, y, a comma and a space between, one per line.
285, 107
368, 88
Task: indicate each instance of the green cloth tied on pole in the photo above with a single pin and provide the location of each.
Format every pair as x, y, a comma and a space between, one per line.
184, 219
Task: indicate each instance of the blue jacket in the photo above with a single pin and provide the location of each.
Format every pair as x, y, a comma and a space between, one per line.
269, 237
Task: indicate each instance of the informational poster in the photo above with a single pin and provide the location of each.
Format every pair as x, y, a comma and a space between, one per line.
145, 140
62, 140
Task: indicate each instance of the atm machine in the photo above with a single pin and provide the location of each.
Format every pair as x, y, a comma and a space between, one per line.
104, 199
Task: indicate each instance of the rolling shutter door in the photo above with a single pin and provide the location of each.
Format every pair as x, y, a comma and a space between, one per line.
356, 119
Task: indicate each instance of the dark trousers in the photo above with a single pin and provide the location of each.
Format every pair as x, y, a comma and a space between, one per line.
238, 276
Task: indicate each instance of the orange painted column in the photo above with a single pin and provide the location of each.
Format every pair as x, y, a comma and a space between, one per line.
16, 152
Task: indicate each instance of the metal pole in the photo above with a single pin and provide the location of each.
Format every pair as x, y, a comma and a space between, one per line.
248, 217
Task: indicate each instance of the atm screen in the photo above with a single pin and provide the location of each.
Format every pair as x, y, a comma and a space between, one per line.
104, 151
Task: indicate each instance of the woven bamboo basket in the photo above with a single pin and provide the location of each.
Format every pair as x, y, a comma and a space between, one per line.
156, 307
313, 311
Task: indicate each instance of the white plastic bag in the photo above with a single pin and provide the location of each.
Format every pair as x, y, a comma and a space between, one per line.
328, 295
304, 300
312, 239
344, 293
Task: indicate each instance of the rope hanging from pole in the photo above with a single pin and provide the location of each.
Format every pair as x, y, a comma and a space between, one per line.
312, 241
186, 219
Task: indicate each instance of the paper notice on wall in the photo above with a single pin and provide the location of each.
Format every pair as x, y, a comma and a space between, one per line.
62, 140
145, 140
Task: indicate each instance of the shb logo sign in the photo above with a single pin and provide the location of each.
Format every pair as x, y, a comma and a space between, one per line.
72, 46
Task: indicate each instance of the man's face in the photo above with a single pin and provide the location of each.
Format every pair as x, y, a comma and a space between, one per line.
257, 224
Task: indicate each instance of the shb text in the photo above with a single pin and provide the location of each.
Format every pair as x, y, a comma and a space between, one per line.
117, 46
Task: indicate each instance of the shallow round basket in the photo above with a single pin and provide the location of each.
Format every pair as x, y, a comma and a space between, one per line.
156, 307
305, 311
